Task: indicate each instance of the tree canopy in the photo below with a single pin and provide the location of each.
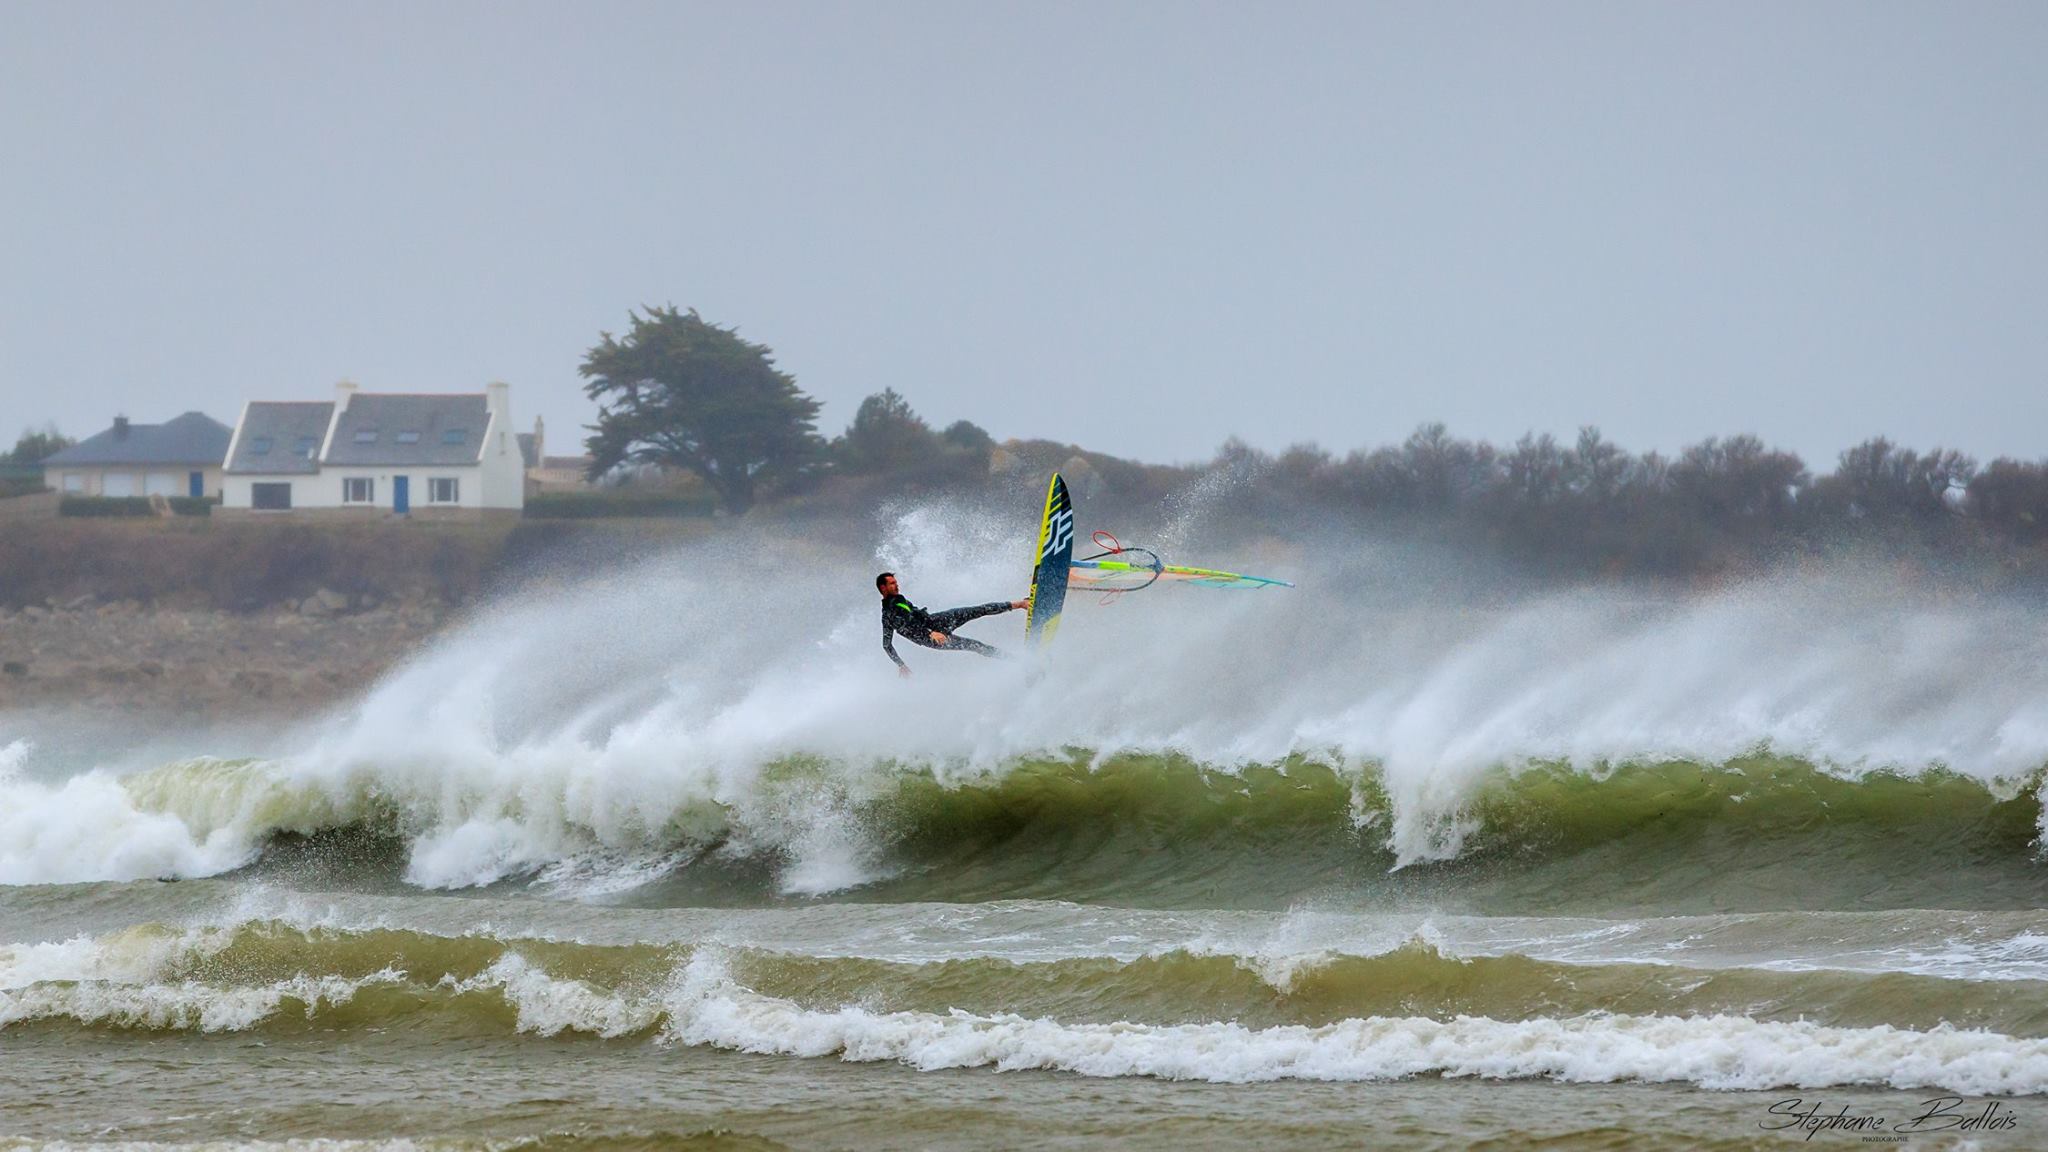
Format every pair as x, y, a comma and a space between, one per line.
680, 391
886, 436
889, 439
35, 446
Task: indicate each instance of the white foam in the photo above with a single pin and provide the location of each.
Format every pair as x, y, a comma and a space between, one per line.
133, 956
189, 1005
549, 1005
1720, 1052
90, 827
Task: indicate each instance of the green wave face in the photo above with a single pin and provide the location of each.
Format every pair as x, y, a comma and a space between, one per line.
1760, 833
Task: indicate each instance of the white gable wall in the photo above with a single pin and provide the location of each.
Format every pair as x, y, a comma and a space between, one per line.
235, 490
329, 485
325, 488
496, 481
504, 472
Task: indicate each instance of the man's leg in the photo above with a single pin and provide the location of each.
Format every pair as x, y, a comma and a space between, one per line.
957, 643
952, 618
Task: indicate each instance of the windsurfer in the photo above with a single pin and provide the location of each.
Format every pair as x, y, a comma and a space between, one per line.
930, 629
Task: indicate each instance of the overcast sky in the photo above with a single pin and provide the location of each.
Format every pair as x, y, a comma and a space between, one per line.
1140, 227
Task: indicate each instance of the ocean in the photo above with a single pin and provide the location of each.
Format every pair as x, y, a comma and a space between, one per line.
670, 858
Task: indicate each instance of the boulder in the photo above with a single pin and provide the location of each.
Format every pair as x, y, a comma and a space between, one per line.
1083, 481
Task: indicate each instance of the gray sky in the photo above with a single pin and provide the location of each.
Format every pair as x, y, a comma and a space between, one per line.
1142, 227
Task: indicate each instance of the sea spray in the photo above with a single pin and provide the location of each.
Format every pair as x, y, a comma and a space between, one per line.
726, 700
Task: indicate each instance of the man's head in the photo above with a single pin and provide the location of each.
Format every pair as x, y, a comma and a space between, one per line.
886, 584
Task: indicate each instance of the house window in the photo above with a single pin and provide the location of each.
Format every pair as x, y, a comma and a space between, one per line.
305, 446
454, 435
270, 497
408, 437
366, 435
260, 446
444, 490
359, 490
73, 482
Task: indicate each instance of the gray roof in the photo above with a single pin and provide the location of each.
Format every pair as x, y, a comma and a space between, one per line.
443, 429
281, 437
194, 438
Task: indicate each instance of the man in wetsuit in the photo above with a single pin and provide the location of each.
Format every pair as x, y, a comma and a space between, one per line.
930, 629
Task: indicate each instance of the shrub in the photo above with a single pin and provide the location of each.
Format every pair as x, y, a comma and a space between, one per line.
123, 506
107, 507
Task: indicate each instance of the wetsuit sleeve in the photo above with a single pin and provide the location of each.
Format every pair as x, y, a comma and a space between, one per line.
889, 642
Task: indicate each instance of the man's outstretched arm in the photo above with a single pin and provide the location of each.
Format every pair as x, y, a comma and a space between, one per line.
889, 646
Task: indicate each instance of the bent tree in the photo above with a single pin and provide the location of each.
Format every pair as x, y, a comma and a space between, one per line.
679, 391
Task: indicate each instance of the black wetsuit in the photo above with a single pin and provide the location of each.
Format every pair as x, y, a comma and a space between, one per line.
902, 618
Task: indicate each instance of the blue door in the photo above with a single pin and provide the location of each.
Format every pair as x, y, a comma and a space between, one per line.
401, 495
195, 485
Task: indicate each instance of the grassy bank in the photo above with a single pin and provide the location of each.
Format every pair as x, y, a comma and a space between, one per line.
242, 567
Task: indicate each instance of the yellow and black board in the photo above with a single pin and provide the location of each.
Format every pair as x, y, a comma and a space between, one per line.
1050, 564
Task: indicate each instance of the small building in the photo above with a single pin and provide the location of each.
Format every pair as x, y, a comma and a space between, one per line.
377, 454
180, 457
545, 473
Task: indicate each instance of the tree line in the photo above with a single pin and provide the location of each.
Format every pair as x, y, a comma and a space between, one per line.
683, 393
1723, 504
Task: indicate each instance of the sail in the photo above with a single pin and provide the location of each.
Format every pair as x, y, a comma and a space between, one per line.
1125, 573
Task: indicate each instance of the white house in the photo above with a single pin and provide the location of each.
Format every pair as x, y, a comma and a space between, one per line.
377, 454
180, 457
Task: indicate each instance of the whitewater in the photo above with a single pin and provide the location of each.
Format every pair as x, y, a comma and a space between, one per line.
1397, 827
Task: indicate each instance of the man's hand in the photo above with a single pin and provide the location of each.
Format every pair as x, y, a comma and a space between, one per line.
938, 637
1016, 604
903, 670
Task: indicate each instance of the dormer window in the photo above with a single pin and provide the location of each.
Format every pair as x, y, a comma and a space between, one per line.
366, 435
408, 437
305, 446
454, 435
260, 446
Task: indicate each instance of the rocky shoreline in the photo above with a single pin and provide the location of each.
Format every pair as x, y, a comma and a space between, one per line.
126, 656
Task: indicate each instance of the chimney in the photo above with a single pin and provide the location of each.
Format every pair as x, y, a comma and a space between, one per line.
343, 390
540, 442
120, 427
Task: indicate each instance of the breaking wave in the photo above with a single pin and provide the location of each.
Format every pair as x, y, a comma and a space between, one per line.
1131, 828
1407, 1011
705, 720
